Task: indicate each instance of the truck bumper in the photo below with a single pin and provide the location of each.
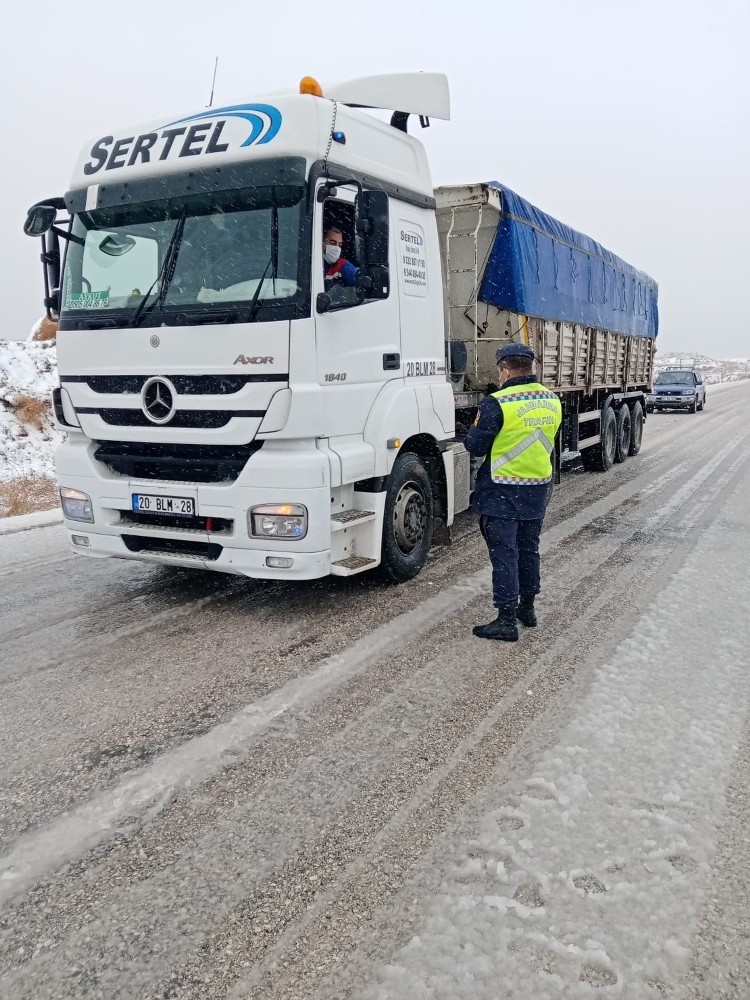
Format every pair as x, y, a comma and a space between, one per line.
117, 532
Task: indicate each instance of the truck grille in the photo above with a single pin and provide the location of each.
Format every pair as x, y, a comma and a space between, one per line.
187, 385
178, 522
185, 463
200, 419
173, 546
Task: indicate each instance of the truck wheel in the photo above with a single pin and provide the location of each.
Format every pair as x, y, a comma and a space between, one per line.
600, 457
408, 520
624, 429
636, 433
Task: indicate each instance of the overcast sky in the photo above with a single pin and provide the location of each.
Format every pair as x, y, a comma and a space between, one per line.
627, 119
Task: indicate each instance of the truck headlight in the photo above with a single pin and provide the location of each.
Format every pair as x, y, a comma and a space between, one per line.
277, 520
76, 506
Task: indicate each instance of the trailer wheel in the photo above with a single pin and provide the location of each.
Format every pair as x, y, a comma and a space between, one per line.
636, 433
624, 430
408, 520
601, 456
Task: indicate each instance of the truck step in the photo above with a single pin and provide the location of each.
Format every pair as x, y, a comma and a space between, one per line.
352, 565
345, 518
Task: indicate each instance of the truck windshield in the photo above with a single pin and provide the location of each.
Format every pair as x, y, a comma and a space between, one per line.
675, 378
222, 257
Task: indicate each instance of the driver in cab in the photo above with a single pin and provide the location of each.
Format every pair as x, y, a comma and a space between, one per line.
337, 269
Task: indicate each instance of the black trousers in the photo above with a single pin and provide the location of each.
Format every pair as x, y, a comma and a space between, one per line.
514, 554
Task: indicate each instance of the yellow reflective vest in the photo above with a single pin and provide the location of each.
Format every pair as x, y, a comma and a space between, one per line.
522, 452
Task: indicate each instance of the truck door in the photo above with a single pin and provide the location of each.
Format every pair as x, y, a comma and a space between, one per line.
357, 325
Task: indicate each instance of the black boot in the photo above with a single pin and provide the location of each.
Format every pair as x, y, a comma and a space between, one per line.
525, 612
503, 627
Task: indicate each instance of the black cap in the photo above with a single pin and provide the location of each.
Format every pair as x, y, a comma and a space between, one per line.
514, 351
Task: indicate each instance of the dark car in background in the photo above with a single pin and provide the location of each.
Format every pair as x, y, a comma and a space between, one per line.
677, 389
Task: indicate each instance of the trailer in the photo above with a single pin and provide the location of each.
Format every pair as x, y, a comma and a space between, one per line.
513, 273
229, 404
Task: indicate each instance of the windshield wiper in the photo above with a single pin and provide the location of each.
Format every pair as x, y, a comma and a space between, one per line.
166, 272
255, 301
275, 245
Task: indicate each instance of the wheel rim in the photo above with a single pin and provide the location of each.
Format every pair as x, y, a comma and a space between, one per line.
625, 436
610, 437
409, 518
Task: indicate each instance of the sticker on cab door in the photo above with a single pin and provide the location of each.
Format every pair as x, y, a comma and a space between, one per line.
412, 259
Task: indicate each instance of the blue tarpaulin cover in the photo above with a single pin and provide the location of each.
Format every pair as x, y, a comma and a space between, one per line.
541, 267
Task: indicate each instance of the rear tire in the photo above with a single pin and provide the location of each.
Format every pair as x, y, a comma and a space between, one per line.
408, 520
601, 456
636, 432
624, 429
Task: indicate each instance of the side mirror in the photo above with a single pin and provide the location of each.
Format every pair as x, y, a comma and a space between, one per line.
39, 220
327, 190
116, 246
323, 302
374, 281
371, 220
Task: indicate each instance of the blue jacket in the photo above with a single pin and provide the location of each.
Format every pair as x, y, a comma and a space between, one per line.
345, 268
510, 503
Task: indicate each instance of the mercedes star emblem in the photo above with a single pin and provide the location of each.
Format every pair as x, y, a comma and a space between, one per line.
157, 398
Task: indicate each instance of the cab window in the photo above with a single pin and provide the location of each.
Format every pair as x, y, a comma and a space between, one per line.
355, 249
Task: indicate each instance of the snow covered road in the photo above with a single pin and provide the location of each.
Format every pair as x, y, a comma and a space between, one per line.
213, 787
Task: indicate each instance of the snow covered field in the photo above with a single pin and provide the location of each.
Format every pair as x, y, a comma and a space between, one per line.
28, 438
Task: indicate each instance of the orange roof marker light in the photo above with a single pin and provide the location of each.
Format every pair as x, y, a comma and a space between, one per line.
309, 85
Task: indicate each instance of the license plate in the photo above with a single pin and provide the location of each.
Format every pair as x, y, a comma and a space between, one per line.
163, 505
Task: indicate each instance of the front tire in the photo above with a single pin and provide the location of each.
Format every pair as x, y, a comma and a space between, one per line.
408, 520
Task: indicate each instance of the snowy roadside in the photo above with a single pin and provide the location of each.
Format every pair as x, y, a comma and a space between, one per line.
28, 436
25, 522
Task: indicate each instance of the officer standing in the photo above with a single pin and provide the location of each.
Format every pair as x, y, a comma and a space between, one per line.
515, 429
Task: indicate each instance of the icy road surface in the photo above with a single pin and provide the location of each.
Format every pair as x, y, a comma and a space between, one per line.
212, 787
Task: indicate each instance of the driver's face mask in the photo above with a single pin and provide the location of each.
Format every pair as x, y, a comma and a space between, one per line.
331, 253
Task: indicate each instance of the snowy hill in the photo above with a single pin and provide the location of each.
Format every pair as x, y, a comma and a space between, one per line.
28, 437
713, 370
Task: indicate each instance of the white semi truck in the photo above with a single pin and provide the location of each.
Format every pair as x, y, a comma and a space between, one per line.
228, 404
